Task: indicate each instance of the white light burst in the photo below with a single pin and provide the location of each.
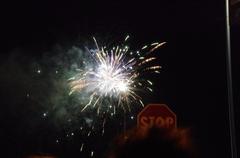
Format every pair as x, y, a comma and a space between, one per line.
115, 76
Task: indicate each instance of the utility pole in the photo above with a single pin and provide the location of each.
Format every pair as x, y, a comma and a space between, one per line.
229, 85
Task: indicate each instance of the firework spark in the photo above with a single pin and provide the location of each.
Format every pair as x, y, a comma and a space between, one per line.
115, 76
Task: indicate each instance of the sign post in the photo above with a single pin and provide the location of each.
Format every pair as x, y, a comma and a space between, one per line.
156, 115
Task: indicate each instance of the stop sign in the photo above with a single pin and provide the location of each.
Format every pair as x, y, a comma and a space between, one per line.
156, 115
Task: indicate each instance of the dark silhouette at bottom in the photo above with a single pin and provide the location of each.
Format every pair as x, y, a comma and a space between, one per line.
153, 143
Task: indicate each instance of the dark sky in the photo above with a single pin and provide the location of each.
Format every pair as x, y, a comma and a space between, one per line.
192, 82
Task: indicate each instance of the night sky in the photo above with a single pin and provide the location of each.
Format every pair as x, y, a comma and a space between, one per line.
35, 34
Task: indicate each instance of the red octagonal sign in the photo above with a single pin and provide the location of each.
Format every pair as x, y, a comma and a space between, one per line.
156, 115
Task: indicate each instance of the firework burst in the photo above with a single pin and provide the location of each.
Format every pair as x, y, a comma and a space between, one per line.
115, 76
